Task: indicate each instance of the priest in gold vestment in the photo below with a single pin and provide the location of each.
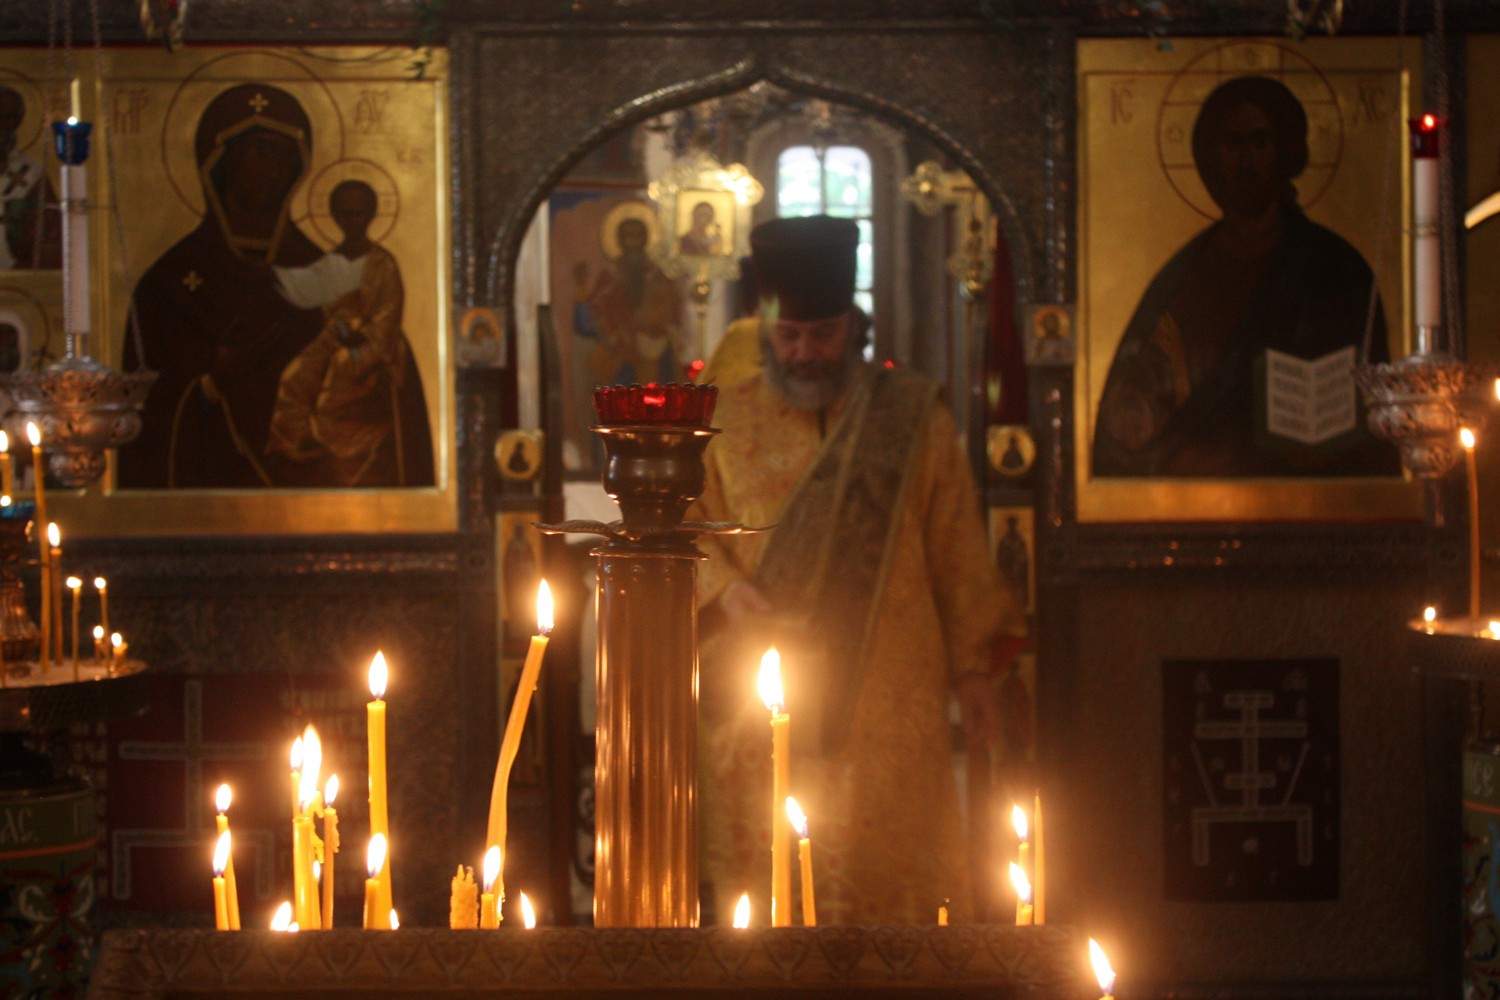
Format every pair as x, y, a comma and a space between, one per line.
876, 586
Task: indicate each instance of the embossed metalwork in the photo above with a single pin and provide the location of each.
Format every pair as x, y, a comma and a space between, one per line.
1420, 402
82, 408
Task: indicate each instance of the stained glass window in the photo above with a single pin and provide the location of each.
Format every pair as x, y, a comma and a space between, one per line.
837, 180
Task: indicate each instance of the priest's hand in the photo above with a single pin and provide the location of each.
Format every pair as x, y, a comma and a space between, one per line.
742, 600
977, 712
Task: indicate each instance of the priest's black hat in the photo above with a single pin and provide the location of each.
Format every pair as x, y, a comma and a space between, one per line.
807, 263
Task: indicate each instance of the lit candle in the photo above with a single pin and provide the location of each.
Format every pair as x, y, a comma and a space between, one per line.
1038, 862
54, 558
34, 435
781, 831
40, 520
1427, 292
330, 847
1466, 438
7, 476
1023, 849
804, 857
377, 918
304, 889
76, 586
222, 798
221, 899
103, 588
393, 919
296, 776
463, 901
1102, 971
380, 821
98, 643
1023, 895
742, 911
281, 920
528, 913
515, 723
117, 646
489, 903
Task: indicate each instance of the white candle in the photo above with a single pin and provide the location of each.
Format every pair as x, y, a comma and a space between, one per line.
1426, 243
75, 256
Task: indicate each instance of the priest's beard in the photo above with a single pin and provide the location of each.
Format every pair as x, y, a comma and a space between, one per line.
811, 385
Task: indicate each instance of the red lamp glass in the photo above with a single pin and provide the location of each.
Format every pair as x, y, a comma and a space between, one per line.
672, 403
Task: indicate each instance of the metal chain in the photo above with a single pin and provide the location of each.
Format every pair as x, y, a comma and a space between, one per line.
49, 80
132, 316
1447, 197
1383, 226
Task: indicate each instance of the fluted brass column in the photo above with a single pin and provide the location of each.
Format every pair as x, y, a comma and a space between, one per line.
646, 765
646, 770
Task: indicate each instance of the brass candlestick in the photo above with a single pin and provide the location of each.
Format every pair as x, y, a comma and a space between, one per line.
646, 770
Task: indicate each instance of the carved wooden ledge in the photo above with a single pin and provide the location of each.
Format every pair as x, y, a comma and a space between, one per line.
975, 961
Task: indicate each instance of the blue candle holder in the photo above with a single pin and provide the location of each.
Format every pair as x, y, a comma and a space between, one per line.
71, 140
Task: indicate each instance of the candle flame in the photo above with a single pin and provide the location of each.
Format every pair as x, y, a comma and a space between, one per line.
1466, 438
330, 789
1429, 614
5, 500
221, 854
1429, 122
1021, 883
379, 674
1102, 970
282, 919
742, 911
74, 584
528, 913
543, 609
223, 797
1018, 820
1495, 630
312, 763
98, 632
115, 639
100, 585
1497, 396
395, 920
797, 816
4, 443
297, 754
54, 534
294, 927
317, 871
33, 434
770, 681
375, 855
491, 867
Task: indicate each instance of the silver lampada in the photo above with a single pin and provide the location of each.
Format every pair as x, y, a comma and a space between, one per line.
1420, 402
81, 406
